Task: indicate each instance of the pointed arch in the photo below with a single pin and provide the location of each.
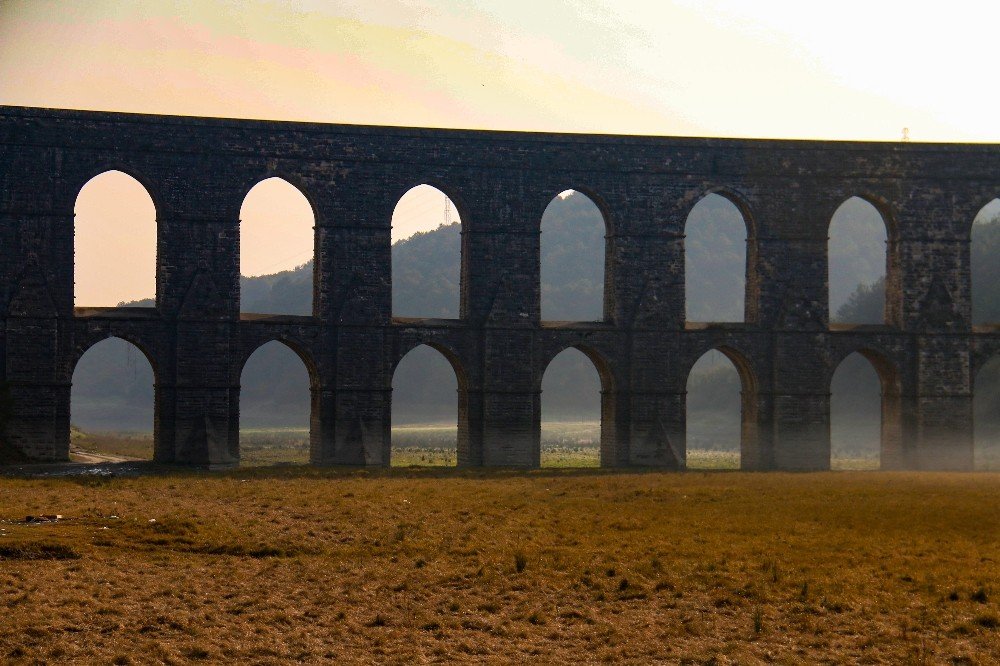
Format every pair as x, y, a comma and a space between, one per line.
115, 242
113, 400
427, 265
277, 249
722, 390
277, 419
719, 239
575, 259
984, 247
428, 385
860, 380
578, 409
862, 273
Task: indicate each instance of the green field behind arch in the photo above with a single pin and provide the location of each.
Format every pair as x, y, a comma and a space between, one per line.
568, 444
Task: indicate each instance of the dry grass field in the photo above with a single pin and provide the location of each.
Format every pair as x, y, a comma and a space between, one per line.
269, 565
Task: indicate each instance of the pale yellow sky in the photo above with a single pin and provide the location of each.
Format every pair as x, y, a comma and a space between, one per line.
845, 70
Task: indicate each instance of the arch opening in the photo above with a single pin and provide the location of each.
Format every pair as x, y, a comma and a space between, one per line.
716, 236
865, 414
984, 249
114, 245
861, 289
574, 261
986, 415
276, 406
577, 411
721, 413
426, 255
112, 404
429, 420
277, 248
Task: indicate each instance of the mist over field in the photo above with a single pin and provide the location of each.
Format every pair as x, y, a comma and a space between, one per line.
112, 387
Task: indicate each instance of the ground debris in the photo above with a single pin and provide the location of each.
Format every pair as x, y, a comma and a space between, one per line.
44, 518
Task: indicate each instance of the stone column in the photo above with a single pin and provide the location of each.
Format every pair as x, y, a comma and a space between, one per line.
794, 417
198, 291
37, 270
501, 302
936, 306
322, 419
356, 307
470, 427
648, 254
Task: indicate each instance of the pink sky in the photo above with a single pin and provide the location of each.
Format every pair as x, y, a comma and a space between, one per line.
713, 67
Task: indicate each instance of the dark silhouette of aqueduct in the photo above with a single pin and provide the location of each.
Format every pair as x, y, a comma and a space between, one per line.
198, 171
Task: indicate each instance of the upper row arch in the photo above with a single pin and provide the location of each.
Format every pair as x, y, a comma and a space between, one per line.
733, 196
289, 179
592, 195
878, 202
742, 202
155, 195
79, 184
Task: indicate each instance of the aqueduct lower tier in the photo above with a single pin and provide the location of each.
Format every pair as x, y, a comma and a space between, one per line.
198, 171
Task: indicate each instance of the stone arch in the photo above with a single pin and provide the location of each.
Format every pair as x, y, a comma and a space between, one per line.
400, 189
984, 242
600, 202
80, 181
608, 394
116, 272
752, 456
447, 352
262, 193
599, 358
745, 297
95, 340
881, 202
463, 453
303, 185
604, 311
985, 384
984, 350
429, 303
92, 338
892, 453
739, 358
889, 279
302, 352
734, 196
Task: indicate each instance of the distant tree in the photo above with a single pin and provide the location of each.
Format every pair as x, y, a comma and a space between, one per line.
865, 305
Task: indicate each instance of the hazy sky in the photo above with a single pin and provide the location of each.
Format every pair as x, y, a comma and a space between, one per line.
845, 70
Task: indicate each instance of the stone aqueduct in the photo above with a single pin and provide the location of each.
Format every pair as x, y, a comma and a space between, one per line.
198, 171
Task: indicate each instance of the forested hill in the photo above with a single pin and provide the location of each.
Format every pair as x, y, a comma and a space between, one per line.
113, 387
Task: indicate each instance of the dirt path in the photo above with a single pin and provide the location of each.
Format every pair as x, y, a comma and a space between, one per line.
92, 457
83, 463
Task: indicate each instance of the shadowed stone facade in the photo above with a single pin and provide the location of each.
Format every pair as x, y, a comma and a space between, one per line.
198, 172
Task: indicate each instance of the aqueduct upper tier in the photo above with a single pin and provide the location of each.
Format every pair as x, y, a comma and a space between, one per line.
197, 171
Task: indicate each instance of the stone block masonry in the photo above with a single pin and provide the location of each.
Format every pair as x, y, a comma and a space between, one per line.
198, 170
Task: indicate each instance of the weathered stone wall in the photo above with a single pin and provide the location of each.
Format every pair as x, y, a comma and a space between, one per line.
198, 171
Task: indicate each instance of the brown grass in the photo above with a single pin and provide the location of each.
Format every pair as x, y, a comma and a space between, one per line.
275, 565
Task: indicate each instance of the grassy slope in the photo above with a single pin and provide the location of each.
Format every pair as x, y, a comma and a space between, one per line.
377, 566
